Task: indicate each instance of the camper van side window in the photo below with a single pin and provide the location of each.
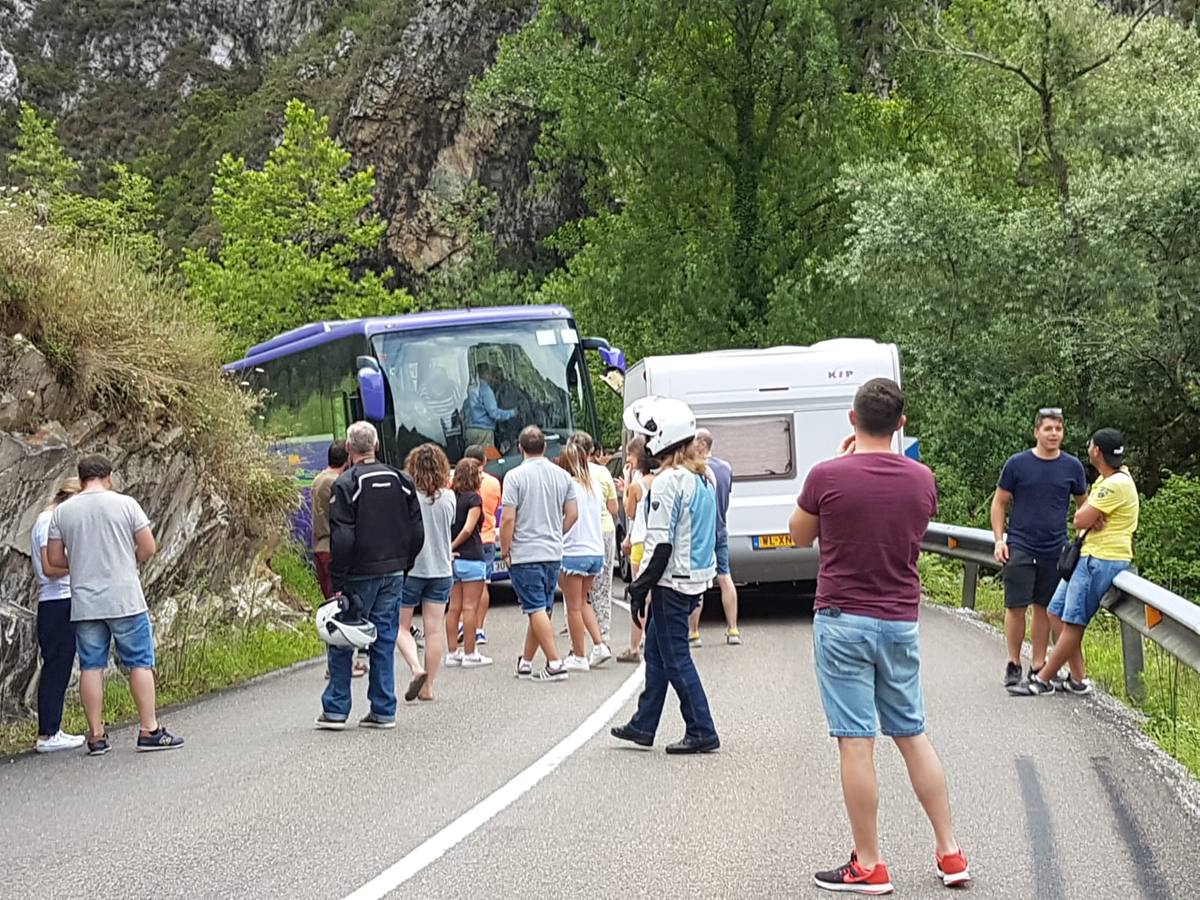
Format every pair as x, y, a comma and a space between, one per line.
757, 447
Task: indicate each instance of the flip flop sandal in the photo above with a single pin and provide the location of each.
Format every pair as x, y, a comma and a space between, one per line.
414, 686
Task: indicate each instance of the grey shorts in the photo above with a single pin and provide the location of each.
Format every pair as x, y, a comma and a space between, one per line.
1029, 579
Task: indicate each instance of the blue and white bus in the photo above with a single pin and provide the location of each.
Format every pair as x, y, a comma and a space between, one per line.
411, 376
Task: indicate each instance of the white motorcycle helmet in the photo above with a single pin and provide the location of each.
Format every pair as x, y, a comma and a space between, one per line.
663, 422
336, 629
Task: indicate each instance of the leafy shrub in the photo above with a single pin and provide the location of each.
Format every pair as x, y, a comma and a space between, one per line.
131, 346
1166, 548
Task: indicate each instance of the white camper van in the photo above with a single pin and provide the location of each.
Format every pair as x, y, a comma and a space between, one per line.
774, 414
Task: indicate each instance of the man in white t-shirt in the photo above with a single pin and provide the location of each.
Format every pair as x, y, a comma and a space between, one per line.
538, 508
106, 535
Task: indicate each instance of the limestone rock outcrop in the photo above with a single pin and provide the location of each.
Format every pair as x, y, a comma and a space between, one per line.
206, 571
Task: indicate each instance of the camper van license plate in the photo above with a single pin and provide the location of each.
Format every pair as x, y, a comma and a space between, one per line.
772, 541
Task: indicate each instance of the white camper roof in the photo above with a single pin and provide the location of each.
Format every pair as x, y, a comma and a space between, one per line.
833, 367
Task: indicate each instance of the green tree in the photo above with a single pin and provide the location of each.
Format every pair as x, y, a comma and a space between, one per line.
39, 159
1024, 263
707, 135
294, 236
123, 215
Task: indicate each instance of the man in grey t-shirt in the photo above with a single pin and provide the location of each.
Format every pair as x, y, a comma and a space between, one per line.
539, 506
105, 536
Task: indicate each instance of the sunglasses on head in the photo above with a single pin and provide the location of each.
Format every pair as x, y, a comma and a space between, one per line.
1055, 411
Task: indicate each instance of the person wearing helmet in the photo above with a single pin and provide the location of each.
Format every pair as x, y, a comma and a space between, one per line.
679, 563
375, 534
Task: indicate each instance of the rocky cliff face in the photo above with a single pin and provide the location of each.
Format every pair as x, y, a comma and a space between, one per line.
408, 117
204, 567
115, 73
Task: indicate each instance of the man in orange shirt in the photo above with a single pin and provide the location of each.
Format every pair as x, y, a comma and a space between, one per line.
489, 490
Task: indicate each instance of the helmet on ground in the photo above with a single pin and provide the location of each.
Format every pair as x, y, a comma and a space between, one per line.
663, 422
338, 627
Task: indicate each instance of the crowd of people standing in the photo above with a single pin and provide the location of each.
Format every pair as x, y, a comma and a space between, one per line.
389, 542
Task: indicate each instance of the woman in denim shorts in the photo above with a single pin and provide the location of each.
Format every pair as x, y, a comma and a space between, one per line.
470, 569
583, 558
427, 584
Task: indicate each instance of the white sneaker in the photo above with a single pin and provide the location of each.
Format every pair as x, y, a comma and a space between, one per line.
455, 658
575, 663
60, 741
548, 675
475, 660
600, 655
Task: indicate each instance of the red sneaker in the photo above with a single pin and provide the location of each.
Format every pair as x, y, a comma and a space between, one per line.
952, 868
852, 878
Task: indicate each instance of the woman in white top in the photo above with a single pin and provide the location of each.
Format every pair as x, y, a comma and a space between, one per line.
55, 632
583, 558
427, 584
637, 487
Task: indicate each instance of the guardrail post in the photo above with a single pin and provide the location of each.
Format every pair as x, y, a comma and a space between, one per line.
970, 583
1133, 660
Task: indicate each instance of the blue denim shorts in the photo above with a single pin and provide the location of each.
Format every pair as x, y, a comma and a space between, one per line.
132, 635
534, 585
489, 559
723, 556
868, 669
582, 565
1078, 600
419, 590
470, 570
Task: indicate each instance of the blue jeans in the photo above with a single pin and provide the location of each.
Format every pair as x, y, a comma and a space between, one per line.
669, 661
534, 585
380, 598
1078, 600
868, 668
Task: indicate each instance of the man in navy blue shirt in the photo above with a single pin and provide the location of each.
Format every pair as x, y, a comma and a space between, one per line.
1039, 485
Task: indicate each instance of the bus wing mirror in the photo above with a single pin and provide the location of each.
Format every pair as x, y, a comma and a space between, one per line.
613, 359
371, 389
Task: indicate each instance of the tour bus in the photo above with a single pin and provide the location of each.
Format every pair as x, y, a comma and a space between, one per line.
774, 414
410, 375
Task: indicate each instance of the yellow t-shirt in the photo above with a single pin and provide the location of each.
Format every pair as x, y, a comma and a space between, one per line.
608, 491
1116, 497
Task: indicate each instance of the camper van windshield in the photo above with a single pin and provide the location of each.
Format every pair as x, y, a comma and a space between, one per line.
757, 447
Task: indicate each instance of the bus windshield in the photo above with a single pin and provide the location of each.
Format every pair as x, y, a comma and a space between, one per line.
481, 384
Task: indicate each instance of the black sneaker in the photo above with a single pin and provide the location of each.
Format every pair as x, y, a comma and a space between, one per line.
328, 724
418, 636
524, 669
158, 740
1034, 686
1071, 686
1012, 674
370, 720
625, 733
99, 746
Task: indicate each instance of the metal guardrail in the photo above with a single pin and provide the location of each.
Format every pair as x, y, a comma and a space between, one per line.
1145, 609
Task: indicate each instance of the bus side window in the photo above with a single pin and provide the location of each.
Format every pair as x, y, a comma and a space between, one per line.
341, 414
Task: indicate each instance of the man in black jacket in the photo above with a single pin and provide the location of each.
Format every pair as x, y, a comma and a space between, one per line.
375, 534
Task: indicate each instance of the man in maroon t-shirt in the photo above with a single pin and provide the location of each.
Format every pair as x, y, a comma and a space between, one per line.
869, 508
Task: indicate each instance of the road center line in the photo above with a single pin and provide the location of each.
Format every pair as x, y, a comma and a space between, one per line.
478, 815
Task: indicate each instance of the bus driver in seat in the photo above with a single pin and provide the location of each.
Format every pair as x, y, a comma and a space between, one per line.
483, 413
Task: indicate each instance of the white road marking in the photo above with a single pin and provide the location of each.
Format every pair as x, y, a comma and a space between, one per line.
477, 816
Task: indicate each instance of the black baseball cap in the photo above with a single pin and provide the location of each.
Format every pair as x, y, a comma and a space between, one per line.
1111, 444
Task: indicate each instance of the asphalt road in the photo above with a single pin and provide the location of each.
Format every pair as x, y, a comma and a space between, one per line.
1054, 797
